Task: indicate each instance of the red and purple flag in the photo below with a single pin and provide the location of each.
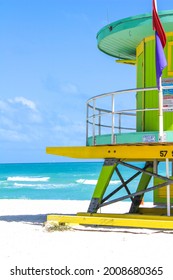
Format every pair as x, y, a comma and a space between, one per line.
160, 44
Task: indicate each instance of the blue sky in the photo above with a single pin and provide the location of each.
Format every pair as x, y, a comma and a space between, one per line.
50, 66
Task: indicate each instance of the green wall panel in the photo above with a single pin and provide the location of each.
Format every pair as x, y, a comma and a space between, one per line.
149, 121
140, 95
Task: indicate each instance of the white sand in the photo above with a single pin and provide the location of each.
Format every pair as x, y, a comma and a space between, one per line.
25, 243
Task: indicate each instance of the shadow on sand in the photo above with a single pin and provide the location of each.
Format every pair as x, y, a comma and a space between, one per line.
38, 219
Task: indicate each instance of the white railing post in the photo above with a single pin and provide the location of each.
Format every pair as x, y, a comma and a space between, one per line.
119, 123
87, 129
113, 120
99, 129
161, 132
94, 142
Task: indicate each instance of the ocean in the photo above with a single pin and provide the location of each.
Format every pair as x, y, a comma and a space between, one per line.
61, 181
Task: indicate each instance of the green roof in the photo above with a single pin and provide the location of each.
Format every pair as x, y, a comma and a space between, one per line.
120, 38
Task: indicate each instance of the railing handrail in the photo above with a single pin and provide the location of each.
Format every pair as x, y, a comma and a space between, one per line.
123, 112
126, 91
98, 112
120, 92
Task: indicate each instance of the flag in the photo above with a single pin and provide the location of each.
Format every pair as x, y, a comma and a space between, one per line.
160, 37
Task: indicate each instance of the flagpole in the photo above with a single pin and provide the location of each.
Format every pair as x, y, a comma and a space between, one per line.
161, 134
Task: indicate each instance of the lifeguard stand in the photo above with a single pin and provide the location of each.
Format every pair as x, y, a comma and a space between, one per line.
112, 135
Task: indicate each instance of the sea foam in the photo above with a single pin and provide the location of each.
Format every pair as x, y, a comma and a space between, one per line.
94, 182
28, 179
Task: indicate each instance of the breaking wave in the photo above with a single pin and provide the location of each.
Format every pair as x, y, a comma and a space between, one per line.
43, 186
28, 179
94, 182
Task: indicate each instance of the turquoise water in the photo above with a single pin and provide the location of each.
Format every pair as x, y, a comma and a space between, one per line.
66, 181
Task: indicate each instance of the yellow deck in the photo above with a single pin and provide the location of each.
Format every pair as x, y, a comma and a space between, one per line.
129, 152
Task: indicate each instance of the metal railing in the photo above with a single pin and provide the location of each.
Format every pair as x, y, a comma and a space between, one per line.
107, 112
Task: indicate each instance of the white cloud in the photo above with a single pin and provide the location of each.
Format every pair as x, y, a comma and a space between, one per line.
25, 102
20, 120
32, 115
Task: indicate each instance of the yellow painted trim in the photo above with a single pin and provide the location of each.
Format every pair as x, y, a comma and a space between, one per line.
139, 152
140, 49
161, 223
126, 61
170, 56
150, 38
124, 216
168, 34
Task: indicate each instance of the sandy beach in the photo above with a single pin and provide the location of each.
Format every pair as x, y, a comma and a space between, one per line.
97, 253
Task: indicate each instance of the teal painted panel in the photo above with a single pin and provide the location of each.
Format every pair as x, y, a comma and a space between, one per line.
135, 137
120, 38
138, 137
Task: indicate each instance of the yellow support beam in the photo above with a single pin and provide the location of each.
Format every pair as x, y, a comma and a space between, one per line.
140, 152
125, 216
157, 222
126, 61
